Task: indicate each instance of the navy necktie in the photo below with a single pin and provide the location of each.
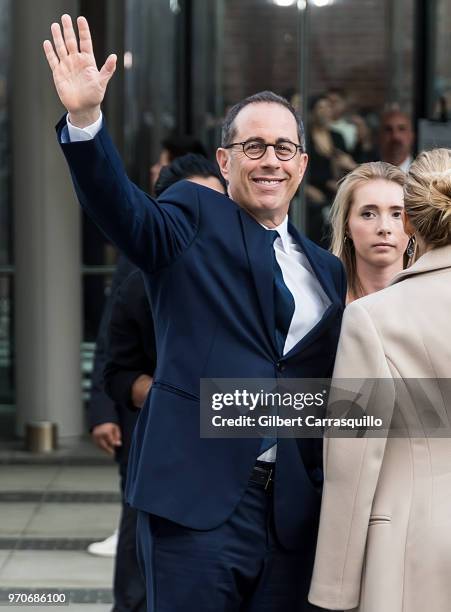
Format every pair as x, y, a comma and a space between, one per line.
283, 313
283, 301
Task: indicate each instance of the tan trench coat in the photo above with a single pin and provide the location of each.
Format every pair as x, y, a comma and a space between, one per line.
384, 541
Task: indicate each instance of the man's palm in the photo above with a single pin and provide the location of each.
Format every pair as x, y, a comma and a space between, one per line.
78, 82
80, 86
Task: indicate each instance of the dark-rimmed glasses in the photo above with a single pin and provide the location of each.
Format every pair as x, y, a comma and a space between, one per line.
255, 149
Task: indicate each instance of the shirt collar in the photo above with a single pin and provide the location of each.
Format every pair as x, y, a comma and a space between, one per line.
282, 230
406, 164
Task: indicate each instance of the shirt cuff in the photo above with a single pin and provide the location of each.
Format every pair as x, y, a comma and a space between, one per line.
76, 134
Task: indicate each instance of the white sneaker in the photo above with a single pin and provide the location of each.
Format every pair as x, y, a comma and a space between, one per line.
105, 548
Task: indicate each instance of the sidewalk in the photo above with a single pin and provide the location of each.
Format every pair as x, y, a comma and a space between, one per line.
51, 508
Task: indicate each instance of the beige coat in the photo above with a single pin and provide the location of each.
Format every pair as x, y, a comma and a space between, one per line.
384, 541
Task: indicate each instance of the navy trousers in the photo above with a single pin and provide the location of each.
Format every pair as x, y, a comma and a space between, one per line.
237, 567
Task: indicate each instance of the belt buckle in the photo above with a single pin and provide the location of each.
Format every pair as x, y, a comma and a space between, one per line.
269, 479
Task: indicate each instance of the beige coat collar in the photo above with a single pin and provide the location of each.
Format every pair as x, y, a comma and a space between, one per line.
436, 259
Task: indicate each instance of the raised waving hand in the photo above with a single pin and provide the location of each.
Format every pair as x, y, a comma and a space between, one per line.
80, 85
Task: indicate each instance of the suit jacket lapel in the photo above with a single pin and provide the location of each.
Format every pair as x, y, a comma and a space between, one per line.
331, 311
316, 265
323, 324
261, 265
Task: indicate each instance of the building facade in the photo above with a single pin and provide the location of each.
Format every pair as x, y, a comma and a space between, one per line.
182, 64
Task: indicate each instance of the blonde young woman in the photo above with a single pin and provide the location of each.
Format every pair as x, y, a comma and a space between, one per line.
367, 227
384, 540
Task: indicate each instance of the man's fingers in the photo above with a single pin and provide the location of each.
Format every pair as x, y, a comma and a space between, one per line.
116, 438
105, 443
50, 55
58, 41
107, 436
108, 68
69, 34
102, 442
110, 438
84, 35
118, 441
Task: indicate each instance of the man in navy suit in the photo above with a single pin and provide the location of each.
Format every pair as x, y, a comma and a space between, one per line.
112, 420
217, 530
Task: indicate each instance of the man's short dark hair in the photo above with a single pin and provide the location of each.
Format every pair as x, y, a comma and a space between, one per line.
181, 144
228, 127
185, 167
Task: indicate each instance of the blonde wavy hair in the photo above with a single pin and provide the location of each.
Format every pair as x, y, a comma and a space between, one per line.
341, 245
427, 196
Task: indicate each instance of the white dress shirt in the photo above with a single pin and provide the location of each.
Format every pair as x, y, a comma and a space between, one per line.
309, 297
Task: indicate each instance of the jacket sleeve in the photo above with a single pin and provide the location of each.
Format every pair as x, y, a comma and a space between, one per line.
131, 342
101, 409
351, 466
150, 233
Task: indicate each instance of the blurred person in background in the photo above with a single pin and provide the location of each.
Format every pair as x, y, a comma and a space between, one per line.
124, 363
352, 126
442, 106
396, 139
111, 427
328, 162
191, 167
171, 148
385, 531
365, 149
367, 227
340, 120
103, 417
294, 97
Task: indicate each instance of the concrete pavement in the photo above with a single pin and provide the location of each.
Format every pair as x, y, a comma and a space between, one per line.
51, 508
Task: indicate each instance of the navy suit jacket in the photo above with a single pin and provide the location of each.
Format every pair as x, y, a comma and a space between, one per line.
209, 271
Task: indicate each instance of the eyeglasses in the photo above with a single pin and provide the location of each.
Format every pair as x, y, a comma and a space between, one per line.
255, 149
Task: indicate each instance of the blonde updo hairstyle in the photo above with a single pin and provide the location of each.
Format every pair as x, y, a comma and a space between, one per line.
427, 196
341, 244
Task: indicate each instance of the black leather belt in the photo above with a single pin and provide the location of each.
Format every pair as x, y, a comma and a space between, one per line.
263, 475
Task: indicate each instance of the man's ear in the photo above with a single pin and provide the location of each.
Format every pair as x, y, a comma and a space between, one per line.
223, 159
302, 165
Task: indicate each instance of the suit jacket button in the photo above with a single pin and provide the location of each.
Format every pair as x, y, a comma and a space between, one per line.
280, 366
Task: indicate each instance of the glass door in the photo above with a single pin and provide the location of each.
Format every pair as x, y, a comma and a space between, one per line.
339, 61
7, 391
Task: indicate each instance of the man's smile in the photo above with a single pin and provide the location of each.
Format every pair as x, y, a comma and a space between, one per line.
267, 181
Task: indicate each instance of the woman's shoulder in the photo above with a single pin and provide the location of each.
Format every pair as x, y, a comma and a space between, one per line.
380, 302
